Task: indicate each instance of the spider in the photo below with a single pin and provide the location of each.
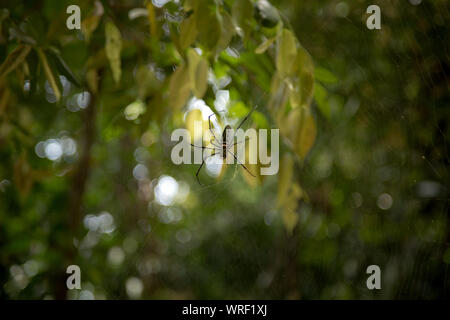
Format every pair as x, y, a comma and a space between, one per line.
222, 146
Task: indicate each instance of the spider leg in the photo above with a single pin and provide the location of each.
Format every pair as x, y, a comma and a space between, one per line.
203, 147
246, 139
214, 144
199, 168
240, 163
231, 146
210, 127
246, 117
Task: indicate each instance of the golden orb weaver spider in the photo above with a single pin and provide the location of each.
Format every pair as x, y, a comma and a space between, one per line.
222, 146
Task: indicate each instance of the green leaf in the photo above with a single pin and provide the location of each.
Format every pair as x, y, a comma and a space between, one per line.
113, 47
240, 12
208, 25
324, 75
146, 81
320, 95
198, 72
286, 53
226, 33
260, 119
63, 68
14, 59
179, 87
238, 110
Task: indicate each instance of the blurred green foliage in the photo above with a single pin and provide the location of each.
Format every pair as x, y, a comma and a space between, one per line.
86, 176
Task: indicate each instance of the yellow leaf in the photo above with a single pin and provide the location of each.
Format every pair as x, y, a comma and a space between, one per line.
113, 47
284, 178
179, 88
89, 24
151, 19
92, 80
278, 95
286, 53
255, 178
192, 118
294, 92
301, 130
49, 74
14, 59
265, 45
188, 31
198, 73
290, 219
308, 136
306, 76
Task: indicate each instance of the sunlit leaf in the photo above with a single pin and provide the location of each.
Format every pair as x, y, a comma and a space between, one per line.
188, 31
279, 94
179, 87
255, 178
192, 118
113, 47
286, 53
307, 136
238, 110
198, 73
260, 119
265, 45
